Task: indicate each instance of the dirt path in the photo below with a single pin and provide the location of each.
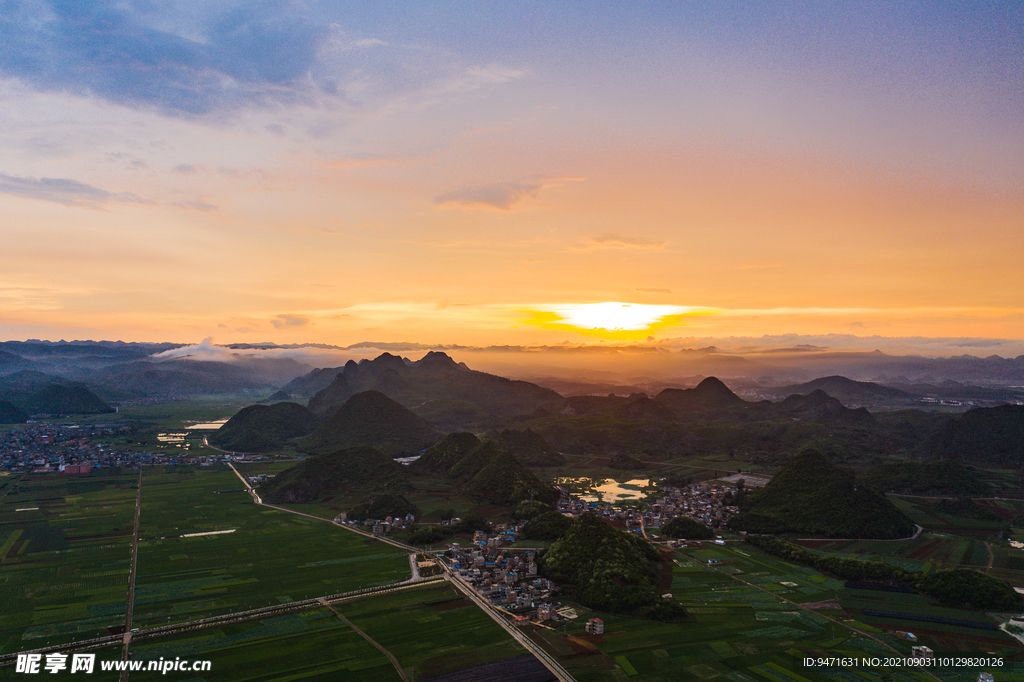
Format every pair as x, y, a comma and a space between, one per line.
394, 661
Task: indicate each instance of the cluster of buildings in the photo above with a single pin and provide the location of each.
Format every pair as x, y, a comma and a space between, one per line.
709, 502
78, 449
505, 577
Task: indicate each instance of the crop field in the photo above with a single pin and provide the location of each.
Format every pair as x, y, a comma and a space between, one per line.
432, 630
245, 556
929, 550
65, 548
314, 646
753, 617
921, 512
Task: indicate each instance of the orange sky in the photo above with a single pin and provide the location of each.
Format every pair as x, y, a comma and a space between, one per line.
462, 180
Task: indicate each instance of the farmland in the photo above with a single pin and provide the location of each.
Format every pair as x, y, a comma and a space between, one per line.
754, 616
65, 545
251, 556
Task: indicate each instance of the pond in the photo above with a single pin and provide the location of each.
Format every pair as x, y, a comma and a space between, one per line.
208, 425
607, 489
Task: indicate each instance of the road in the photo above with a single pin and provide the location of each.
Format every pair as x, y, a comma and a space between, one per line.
224, 619
493, 612
497, 615
131, 578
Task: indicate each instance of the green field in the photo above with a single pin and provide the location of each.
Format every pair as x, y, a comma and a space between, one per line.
755, 617
65, 558
432, 630
268, 557
314, 646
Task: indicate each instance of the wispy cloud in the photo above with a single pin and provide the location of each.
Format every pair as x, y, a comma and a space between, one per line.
502, 195
285, 320
64, 191
615, 241
653, 290
196, 205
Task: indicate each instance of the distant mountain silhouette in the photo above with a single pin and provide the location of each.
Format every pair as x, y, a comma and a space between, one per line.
819, 406
373, 419
710, 394
846, 390
446, 394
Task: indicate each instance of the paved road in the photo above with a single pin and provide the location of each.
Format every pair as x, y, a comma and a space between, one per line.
497, 615
494, 613
131, 578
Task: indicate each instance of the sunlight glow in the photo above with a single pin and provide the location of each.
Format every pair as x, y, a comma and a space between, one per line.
612, 319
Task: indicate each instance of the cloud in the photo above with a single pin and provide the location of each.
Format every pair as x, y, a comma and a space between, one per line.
192, 60
615, 241
63, 191
186, 169
195, 205
286, 320
653, 290
502, 196
153, 55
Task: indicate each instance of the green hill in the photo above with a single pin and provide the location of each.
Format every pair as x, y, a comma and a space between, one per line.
941, 477
11, 413
626, 463
57, 399
607, 568
322, 476
984, 434
812, 496
259, 428
484, 470
529, 447
687, 528
371, 418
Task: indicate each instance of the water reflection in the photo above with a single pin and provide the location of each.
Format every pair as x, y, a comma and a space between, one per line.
607, 489
208, 425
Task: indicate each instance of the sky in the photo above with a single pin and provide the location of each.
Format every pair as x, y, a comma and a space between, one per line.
486, 173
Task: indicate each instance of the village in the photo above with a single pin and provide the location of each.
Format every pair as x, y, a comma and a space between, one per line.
70, 449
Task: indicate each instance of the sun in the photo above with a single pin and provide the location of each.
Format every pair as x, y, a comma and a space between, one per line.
611, 319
